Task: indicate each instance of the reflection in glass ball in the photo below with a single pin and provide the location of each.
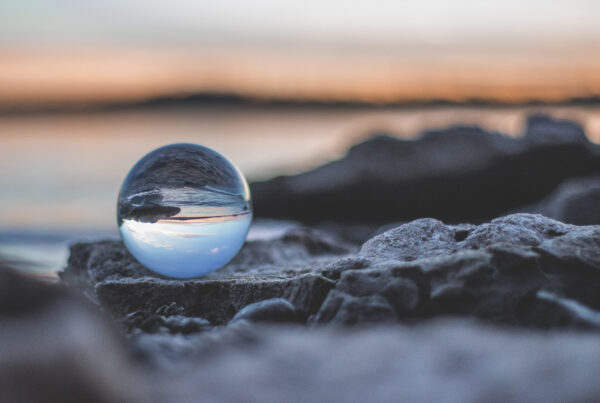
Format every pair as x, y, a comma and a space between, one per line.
184, 210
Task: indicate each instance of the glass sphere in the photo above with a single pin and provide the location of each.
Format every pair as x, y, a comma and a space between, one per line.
184, 210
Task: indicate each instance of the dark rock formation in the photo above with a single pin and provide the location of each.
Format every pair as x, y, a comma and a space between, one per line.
544, 129
455, 174
522, 269
180, 175
149, 213
264, 269
153, 322
54, 347
576, 201
271, 310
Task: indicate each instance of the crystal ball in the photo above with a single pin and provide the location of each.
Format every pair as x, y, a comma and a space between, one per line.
184, 210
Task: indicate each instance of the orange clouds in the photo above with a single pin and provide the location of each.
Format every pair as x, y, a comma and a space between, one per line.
97, 74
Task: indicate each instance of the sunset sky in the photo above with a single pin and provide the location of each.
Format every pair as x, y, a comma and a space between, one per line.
67, 51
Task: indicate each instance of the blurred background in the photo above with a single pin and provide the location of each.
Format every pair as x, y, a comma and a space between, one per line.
279, 87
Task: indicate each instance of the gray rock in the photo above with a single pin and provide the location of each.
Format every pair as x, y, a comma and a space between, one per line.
454, 174
443, 361
343, 309
282, 267
54, 347
497, 271
425, 237
271, 310
544, 129
576, 201
151, 323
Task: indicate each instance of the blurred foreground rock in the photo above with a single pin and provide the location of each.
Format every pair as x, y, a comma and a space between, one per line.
455, 174
443, 361
54, 347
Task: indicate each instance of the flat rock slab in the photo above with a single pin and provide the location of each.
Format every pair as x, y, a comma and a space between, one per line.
521, 269
276, 268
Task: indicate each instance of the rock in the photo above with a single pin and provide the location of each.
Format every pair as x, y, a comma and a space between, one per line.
496, 271
151, 323
271, 310
580, 313
576, 201
425, 237
501, 272
281, 267
20, 295
343, 309
455, 174
55, 348
442, 361
544, 129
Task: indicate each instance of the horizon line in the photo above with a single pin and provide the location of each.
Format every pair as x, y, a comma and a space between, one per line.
226, 99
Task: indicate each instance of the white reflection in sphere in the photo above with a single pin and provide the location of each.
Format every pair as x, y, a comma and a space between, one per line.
184, 210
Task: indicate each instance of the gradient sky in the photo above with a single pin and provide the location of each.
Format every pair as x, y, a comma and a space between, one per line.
66, 50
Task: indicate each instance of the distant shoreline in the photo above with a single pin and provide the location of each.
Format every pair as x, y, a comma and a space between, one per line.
232, 100
204, 219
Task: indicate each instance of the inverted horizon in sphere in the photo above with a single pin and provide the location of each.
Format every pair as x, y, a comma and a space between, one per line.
184, 210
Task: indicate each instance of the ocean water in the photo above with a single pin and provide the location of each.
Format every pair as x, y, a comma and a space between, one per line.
43, 253
60, 174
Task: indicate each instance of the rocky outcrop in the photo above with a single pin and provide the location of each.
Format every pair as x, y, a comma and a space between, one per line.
522, 270
276, 268
455, 174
